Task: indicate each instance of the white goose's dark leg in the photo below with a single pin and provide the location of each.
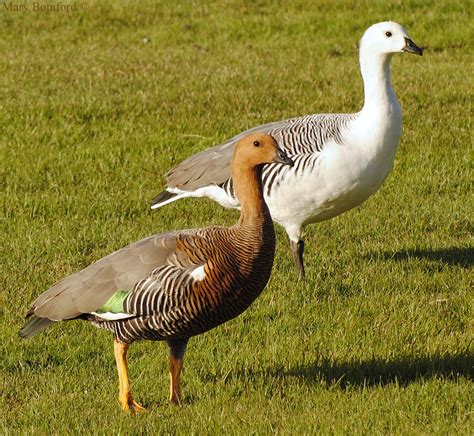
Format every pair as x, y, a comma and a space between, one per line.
177, 350
297, 250
125, 392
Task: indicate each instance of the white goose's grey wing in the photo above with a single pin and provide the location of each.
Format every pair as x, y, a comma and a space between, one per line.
296, 136
210, 166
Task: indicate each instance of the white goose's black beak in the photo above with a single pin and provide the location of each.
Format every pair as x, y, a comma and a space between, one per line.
411, 47
281, 157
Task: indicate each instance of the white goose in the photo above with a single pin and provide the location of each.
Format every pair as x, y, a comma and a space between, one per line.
340, 159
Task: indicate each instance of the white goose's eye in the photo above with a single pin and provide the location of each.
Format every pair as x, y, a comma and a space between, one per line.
388, 34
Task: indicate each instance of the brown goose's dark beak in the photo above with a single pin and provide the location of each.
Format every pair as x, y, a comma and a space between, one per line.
282, 158
411, 47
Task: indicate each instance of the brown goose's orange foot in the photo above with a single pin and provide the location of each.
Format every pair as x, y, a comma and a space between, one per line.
130, 405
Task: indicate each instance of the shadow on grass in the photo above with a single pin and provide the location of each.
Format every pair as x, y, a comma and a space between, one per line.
401, 371
454, 256
40, 364
373, 372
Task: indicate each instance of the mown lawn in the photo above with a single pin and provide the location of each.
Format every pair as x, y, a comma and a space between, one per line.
97, 104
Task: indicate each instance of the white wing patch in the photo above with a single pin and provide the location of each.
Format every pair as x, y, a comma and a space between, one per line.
109, 316
198, 274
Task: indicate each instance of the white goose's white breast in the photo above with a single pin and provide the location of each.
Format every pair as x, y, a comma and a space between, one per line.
344, 176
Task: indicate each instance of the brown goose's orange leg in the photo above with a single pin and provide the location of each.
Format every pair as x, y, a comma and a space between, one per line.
125, 393
175, 375
177, 349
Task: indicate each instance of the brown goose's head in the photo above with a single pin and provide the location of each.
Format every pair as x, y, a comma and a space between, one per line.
258, 149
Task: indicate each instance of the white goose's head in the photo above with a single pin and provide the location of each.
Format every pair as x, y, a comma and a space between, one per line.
388, 38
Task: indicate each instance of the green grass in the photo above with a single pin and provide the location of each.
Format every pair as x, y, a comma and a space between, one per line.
379, 337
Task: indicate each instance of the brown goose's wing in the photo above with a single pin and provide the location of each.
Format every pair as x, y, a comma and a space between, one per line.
89, 289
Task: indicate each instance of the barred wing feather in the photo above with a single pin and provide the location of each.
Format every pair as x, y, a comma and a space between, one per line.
89, 289
296, 136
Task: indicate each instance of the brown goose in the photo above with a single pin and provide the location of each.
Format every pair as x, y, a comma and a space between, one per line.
174, 285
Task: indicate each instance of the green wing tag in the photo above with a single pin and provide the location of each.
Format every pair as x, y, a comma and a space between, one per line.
115, 303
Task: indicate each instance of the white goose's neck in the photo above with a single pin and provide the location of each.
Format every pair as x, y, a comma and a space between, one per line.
379, 97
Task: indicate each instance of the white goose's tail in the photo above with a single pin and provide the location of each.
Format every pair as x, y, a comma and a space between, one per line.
163, 198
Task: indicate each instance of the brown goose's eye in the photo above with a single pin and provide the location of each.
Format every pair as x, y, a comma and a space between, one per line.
388, 34
256, 143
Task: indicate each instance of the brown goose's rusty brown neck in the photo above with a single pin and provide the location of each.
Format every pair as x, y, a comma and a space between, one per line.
249, 190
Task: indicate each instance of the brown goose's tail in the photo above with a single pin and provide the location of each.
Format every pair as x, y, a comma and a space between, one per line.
34, 326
